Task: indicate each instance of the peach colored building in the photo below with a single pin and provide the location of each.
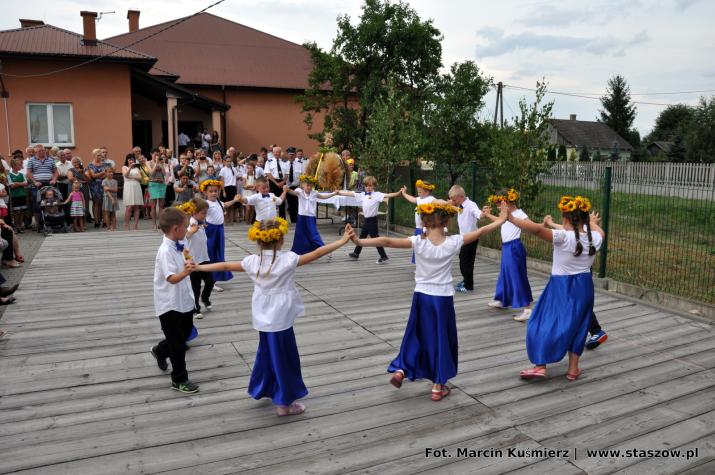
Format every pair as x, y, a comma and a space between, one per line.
75, 91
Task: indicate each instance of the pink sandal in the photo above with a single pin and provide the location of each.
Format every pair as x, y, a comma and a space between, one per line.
292, 410
573, 376
439, 394
533, 373
397, 379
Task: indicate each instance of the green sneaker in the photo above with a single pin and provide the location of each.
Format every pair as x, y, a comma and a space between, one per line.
186, 387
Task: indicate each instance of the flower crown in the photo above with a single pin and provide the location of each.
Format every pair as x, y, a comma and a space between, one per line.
309, 179
206, 183
187, 208
569, 204
267, 236
444, 210
512, 196
424, 185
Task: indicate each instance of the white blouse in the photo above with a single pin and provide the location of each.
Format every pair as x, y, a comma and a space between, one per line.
276, 302
564, 262
198, 243
433, 273
215, 212
421, 201
509, 232
306, 203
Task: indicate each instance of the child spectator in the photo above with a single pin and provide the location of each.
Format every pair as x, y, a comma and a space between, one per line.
198, 250
77, 207
184, 190
18, 194
110, 205
173, 302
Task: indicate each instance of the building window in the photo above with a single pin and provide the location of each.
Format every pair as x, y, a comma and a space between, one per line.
50, 124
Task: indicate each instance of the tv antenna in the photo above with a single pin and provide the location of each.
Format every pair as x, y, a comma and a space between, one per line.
99, 17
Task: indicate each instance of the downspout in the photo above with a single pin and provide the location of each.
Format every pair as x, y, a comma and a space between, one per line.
223, 122
5, 95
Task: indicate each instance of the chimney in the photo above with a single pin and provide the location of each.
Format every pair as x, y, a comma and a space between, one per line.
133, 17
90, 28
25, 23
572, 117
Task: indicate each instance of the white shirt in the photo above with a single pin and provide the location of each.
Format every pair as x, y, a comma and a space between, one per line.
297, 172
306, 203
229, 176
205, 140
433, 272
421, 201
265, 207
198, 243
260, 172
509, 232
370, 203
215, 212
276, 302
271, 166
564, 262
167, 297
468, 217
184, 139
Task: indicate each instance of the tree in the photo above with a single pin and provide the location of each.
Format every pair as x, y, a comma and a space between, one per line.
390, 44
455, 135
584, 155
673, 120
700, 139
517, 152
563, 154
618, 112
677, 151
551, 154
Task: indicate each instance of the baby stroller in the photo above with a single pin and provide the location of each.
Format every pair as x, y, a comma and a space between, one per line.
52, 211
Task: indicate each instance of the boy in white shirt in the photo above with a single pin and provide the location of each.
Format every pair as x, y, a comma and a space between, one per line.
467, 219
264, 201
370, 201
173, 300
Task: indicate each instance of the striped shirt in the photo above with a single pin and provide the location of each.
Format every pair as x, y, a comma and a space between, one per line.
42, 170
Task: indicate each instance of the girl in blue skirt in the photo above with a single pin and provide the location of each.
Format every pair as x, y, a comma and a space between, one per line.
306, 237
424, 195
561, 318
275, 305
513, 288
429, 345
215, 236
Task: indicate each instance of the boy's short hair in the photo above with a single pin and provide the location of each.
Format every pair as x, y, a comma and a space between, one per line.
456, 190
171, 217
370, 181
261, 179
200, 203
15, 161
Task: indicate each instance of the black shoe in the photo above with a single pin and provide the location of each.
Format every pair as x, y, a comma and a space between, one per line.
186, 387
89, 220
163, 365
352, 255
207, 304
382, 260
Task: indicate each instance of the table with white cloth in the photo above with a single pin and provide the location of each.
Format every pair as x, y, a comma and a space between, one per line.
337, 202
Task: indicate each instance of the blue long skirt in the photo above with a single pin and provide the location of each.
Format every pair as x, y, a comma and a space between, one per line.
418, 231
429, 346
513, 288
306, 238
560, 320
276, 371
216, 242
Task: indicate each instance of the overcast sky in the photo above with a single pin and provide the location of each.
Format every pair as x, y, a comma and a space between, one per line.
657, 45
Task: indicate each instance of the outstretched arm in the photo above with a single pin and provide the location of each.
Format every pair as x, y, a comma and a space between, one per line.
397, 243
217, 267
291, 192
408, 196
282, 197
595, 223
325, 196
345, 193
531, 227
487, 213
549, 223
396, 193
328, 248
496, 224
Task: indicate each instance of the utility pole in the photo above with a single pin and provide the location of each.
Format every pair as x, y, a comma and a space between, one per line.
499, 107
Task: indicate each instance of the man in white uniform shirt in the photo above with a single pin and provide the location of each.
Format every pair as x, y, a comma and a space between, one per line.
292, 177
467, 219
277, 176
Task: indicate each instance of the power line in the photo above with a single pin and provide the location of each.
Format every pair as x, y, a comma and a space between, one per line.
118, 49
570, 94
672, 93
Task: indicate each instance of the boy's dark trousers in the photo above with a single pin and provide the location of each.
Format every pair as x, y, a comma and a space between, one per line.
594, 327
196, 278
177, 328
369, 228
466, 263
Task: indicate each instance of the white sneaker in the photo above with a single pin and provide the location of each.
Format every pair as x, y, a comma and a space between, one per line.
496, 304
199, 315
523, 316
217, 288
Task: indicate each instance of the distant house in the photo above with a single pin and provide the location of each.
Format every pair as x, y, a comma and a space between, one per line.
597, 137
658, 147
194, 73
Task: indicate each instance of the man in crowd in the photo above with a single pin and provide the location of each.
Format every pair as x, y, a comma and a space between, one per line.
41, 171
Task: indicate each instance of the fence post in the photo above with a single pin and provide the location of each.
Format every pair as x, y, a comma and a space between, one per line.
474, 180
604, 219
413, 191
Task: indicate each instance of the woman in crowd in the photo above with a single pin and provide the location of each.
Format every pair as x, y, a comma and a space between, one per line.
132, 191
96, 172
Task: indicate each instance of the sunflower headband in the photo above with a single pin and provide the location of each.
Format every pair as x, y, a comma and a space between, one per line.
444, 210
268, 236
187, 208
512, 196
309, 179
206, 183
424, 185
569, 204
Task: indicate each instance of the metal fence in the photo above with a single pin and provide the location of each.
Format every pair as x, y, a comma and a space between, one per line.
661, 226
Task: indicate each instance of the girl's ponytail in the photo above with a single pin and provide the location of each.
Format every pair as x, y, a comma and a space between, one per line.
576, 223
591, 247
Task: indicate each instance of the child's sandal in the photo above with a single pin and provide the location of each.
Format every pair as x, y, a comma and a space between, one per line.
573, 376
397, 378
439, 394
533, 373
292, 410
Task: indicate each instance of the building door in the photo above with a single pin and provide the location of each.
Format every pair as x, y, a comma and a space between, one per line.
141, 135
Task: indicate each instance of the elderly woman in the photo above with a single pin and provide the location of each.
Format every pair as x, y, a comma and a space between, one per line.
96, 171
78, 173
132, 192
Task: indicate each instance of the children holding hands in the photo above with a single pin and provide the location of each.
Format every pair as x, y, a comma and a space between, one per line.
306, 237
